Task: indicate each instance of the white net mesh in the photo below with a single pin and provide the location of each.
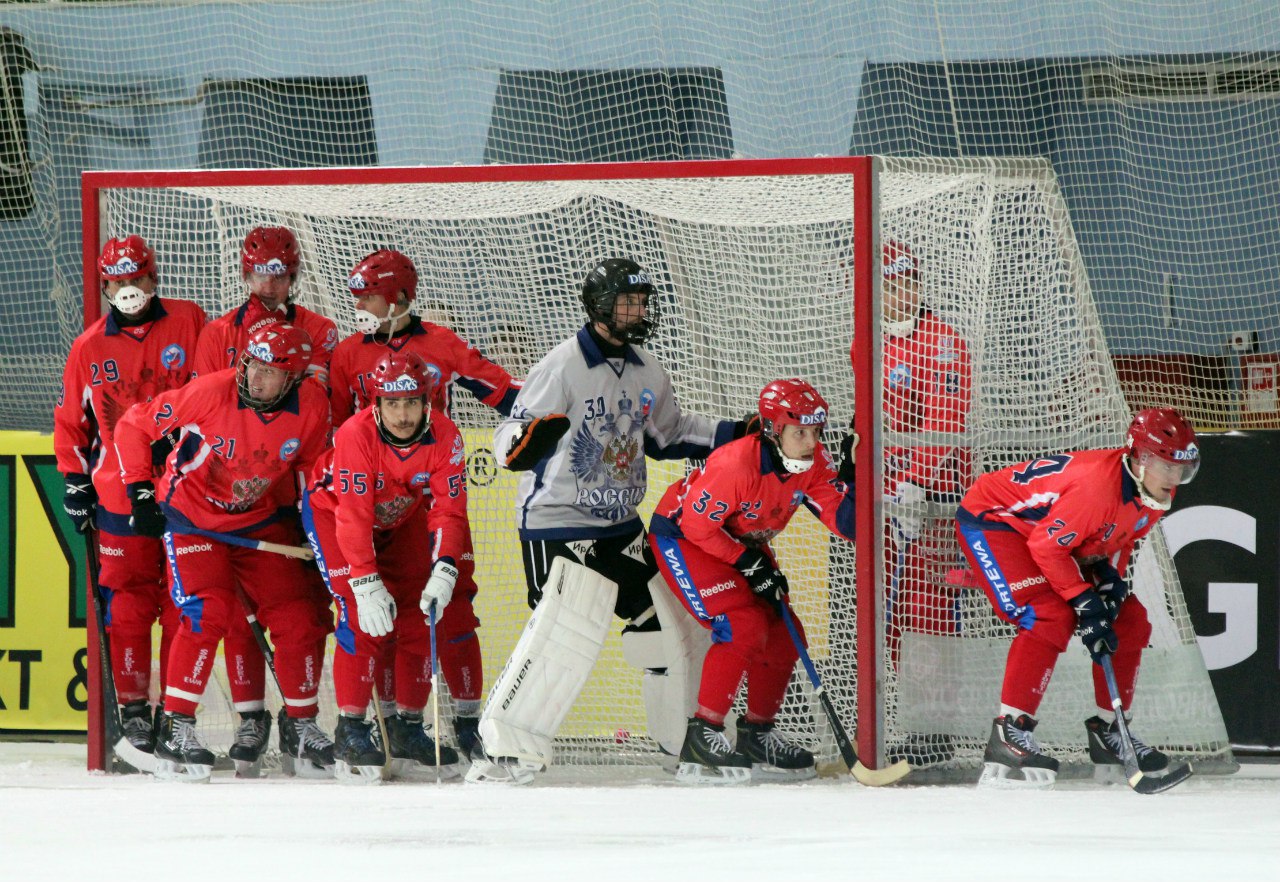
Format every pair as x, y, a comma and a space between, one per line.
754, 281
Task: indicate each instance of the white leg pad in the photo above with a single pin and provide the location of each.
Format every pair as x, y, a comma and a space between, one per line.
670, 698
550, 664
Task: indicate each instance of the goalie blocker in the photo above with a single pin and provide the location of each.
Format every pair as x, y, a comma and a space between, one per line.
555, 655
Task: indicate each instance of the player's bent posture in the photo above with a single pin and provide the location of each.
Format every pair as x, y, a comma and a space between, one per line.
711, 535
387, 515
243, 440
1051, 540
270, 260
589, 413
142, 347
384, 285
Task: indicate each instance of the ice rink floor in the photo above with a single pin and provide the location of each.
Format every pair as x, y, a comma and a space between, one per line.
57, 821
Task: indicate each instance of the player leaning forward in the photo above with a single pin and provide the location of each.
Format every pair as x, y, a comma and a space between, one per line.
711, 534
1050, 540
243, 440
387, 514
589, 413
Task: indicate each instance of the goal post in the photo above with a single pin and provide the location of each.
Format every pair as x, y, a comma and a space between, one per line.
764, 269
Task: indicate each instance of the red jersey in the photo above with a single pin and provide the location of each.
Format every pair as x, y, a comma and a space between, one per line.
110, 369
1071, 507
927, 387
739, 499
225, 338
231, 468
449, 358
372, 486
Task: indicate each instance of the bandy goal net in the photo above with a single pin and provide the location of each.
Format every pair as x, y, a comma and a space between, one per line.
765, 270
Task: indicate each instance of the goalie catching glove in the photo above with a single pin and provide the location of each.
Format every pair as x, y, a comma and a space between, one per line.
375, 607
145, 517
439, 588
537, 440
764, 578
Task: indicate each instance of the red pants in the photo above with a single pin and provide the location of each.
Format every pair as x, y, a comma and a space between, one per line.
917, 600
405, 565
132, 578
1012, 579
207, 576
748, 637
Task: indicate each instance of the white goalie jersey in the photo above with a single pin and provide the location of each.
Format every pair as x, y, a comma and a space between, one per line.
620, 411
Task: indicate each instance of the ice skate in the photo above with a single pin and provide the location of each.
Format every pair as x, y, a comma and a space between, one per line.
305, 750
137, 744
773, 758
467, 732
413, 751
250, 741
1104, 752
1014, 759
357, 758
179, 754
708, 758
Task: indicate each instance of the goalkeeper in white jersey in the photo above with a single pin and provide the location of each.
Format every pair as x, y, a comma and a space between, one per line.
589, 413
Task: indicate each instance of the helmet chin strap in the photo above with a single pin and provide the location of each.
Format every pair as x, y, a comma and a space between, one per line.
368, 323
1147, 499
793, 466
904, 328
390, 437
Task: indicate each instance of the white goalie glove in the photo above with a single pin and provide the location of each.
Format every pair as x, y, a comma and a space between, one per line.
907, 509
439, 588
375, 607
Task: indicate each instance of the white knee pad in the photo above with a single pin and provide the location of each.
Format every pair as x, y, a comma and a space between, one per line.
671, 697
550, 664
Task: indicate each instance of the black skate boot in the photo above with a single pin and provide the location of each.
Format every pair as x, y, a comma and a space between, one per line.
1104, 752
771, 756
707, 758
357, 758
251, 740
413, 751
1014, 759
137, 746
179, 754
305, 750
467, 732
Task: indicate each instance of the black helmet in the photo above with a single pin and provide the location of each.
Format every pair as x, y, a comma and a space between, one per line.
605, 282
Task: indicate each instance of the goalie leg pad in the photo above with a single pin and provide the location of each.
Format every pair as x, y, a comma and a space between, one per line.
672, 663
550, 664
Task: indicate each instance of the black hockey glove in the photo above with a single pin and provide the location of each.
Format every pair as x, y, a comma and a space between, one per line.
1094, 619
537, 440
847, 443
748, 425
1109, 585
80, 501
764, 578
147, 518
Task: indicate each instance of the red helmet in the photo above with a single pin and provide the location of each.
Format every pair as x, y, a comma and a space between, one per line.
123, 260
897, 260
790, 403
1161, 432
403, 375
384, 273
280, 345
270, 251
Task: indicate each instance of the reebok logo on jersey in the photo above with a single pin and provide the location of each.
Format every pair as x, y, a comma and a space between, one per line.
1028, 582
111, 551
190, 549
335, 572
717, 588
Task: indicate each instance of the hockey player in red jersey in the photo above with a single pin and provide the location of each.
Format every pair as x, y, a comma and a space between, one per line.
142, 347
243, 439
384, 285
269, 263
1050, 540
927, 376
710, 534
387, 515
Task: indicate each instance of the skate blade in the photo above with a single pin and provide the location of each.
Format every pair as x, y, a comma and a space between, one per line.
510, 774
187, 773
248, 768
996, 776
300, 767
766, 773
366, 775
412, 770
698, 774
138, 759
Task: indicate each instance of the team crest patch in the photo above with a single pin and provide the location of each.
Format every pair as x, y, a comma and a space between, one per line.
646, 403
289, 448
797, 497
458, 454
1142, 522
173, 357
421, 479
900, 377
